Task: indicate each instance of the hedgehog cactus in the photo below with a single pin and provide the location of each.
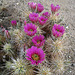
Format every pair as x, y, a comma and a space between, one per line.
36, 43
43, 70
19, 66
8, 48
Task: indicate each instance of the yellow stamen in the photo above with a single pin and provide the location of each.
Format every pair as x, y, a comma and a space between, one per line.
31, 30
57, 30
35, 57
38, 42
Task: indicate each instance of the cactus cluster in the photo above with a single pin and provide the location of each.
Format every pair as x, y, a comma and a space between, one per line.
35, 46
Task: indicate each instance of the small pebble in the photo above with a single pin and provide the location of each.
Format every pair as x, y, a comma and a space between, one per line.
70, 71
17, 3
67, 27
69, 56
4, 56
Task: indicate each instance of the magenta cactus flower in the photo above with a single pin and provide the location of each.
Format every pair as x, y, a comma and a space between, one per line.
46, 14
42, 20
38, 40
54, 8
57, 14
25, 22
58, 30
14, 22
35, 55
40, 7
32, 5
34, 17
30, 29
7, 34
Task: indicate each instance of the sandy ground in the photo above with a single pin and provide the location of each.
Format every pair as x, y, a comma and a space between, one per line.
19, 8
